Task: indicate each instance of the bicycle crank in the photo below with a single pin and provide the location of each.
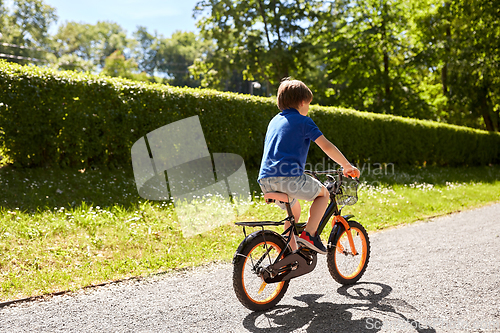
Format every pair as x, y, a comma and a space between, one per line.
293, 265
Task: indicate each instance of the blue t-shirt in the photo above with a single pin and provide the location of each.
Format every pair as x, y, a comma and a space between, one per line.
288, 137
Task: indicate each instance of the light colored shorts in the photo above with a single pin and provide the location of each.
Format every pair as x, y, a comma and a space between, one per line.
302, 187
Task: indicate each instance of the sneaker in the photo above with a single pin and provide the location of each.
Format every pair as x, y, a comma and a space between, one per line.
314, 243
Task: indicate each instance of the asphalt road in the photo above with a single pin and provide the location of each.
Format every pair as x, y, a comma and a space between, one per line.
441, 275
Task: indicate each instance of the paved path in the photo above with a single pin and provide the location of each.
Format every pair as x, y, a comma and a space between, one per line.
438, 276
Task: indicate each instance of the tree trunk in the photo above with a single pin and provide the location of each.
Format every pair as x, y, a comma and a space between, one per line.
487, 118
444, 70
444, 79
263, 14
387, 85
386, 77
496, 121
484, 107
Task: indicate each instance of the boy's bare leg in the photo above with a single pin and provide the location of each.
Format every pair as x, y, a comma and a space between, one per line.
296, 215
317, 211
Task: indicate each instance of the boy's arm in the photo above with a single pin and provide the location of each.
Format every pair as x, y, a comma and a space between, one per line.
335, 154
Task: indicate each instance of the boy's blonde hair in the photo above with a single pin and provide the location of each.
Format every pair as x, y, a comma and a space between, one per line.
292, 93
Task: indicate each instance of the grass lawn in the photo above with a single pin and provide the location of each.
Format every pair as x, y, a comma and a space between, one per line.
66, 229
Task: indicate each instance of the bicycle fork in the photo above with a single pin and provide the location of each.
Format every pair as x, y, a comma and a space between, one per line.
340, 219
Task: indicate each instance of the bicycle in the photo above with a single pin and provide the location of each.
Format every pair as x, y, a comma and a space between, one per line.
264, 262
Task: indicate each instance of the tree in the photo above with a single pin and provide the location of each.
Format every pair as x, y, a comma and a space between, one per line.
73, 62
117, 66
262, 39
73, 46
178, 53
3, 16
170, 57
368, 57
87, 42
24, 30
463, 39
146, 50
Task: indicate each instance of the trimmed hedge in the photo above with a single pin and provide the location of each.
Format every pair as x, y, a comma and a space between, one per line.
392, 139
67, 119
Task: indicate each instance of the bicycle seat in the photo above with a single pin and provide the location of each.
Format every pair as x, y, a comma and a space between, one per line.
273, 196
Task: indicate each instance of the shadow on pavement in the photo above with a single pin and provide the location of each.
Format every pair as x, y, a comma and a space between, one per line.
370, 298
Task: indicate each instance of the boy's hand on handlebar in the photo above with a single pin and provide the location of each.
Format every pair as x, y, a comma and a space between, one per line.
351, 171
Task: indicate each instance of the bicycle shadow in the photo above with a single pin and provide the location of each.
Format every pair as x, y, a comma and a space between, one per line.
331, 317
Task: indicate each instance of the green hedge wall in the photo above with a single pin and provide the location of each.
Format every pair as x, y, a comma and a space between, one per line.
67, 119
390, 139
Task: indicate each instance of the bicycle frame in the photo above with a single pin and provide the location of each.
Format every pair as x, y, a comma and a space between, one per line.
331, 210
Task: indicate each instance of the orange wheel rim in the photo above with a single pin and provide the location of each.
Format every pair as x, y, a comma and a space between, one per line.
276, 290
362, 252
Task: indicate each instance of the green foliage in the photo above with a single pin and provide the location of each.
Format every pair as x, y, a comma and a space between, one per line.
117, 66
71, 119
50, 118
378, 138
88, 43
368, 57
170, 56
460, 40
263, 40
178, 53
24, 27
427, 59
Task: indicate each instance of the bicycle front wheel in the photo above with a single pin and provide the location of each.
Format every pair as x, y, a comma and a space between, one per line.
345, 267
249, 286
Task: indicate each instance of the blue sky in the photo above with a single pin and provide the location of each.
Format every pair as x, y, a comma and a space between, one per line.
164, 16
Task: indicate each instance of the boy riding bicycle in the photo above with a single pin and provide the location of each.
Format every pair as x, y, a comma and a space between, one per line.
285, 152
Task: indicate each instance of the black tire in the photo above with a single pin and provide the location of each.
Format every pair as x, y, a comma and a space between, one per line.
247, 283
343, 266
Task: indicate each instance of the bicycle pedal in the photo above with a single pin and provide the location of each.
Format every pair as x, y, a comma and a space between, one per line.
304, 249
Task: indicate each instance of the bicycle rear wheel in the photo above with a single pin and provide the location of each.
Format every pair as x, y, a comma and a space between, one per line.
345, 267
250, 288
